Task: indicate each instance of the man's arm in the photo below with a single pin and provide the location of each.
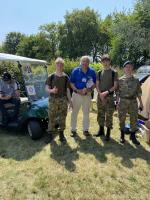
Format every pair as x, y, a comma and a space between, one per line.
72, 83
48, 85
97, 86
53, 90
69, 98
114, 88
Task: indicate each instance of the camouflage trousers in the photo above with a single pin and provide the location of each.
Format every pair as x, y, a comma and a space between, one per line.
105, 112
129, 106
57, 112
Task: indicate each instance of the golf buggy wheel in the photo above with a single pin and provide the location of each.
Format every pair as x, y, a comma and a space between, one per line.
34, 129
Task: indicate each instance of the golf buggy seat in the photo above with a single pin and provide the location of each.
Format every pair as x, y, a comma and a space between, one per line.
10, 106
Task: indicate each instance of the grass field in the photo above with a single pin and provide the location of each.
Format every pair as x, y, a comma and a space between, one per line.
83, 169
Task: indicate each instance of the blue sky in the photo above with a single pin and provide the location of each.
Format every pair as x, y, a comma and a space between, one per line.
27, 15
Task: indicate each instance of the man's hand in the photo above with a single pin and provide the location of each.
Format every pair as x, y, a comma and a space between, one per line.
84, 91
103, 95
54, 90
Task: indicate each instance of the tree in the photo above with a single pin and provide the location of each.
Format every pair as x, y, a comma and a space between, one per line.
34, 46
80, 33
12, 41
142, 15
104, 43
50, 31
1, 48
131, 35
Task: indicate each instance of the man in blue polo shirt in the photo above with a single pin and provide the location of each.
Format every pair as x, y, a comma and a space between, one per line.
83, 80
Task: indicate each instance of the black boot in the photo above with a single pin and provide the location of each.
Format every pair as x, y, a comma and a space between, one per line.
62, 137
100, 132
108, 134
122, 139
133, 138
49, 137
73, 134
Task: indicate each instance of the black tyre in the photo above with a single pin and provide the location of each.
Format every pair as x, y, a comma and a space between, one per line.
34, 129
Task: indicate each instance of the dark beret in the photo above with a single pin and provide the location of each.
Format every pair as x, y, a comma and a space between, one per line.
128, 62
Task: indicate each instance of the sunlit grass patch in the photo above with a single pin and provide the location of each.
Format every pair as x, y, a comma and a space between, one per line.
85, 168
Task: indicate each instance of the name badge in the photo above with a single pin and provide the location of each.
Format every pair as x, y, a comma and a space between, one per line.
84, 80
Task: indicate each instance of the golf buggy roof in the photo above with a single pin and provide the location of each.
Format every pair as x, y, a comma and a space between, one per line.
20, 59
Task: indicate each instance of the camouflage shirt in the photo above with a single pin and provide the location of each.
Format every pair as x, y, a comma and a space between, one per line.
129, 87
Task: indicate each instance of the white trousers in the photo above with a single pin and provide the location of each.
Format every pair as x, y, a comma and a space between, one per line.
78, 101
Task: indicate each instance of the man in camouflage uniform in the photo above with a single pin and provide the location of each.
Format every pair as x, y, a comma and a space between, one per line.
129, 91
57, 85
106, 85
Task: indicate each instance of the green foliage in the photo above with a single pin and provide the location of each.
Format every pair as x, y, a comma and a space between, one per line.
70, 65
131, 35
81, 33
1, 48
50, 32
11, 68
12, 41
34, 46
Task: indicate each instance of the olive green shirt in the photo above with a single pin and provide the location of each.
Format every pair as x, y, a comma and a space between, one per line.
60, 82
106, 79
129, 87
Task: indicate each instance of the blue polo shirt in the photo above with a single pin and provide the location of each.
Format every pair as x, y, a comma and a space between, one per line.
80, 79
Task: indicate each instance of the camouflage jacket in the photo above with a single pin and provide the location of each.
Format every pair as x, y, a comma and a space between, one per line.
129, 87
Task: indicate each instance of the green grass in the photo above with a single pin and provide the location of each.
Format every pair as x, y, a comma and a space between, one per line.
83, 169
